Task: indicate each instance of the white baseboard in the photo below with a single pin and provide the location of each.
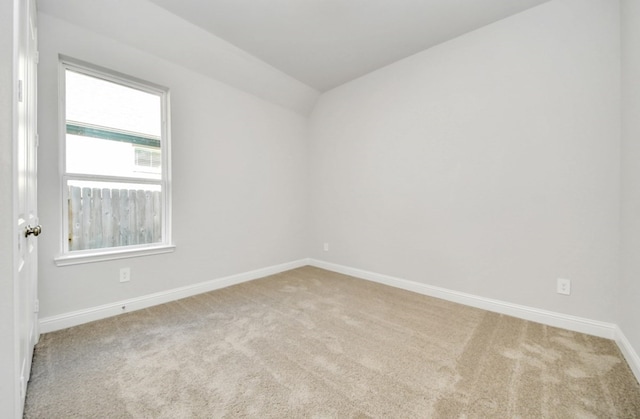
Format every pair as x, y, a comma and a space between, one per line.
578, 324
564, 321
75, 318
629, 353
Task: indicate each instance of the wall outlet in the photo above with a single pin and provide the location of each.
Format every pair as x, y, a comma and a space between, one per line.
125, 274
326, 247
564, 286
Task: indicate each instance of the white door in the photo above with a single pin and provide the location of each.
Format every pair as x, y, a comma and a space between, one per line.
26, 265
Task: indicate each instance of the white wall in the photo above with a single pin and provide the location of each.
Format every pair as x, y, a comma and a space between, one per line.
239, 179
489, 164
629, 307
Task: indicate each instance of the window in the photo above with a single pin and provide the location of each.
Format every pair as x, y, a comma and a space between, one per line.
115, 165
148, 160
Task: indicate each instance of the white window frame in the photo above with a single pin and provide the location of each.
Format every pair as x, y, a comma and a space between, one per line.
67, 257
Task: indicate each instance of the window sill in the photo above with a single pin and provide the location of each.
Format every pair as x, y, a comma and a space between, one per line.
78, 258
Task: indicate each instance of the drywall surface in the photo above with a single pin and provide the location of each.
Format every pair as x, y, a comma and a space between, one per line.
629, 297
487, 165
146, 26
238, 179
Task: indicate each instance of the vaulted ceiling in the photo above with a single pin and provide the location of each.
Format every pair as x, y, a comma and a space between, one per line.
325, 43
284, 51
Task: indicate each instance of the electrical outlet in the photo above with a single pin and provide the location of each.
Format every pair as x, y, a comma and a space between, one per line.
564, 286
125, 274
326, 247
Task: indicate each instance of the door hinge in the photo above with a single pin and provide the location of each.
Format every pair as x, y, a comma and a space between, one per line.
36, 306
36, 57
37, 140
19, 90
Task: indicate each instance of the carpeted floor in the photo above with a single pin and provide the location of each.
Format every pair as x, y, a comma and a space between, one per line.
316, 344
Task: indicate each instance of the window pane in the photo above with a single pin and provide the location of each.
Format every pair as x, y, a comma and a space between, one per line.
93, 101
96, 156
106, 123
108, 214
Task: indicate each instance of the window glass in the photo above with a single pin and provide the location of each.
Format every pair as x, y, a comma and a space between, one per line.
115, 176
105, 123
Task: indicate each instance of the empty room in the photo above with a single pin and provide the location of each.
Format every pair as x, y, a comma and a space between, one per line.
320, 208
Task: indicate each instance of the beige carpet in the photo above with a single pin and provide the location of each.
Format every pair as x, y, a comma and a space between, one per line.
315, 344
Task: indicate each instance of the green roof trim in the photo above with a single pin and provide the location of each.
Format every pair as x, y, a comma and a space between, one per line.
107, 134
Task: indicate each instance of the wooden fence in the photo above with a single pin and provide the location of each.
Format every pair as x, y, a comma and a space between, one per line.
113, 217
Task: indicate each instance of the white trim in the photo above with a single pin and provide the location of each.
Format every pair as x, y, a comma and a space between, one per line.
565, 321
63, 321
103, 73
113, 253
628, 352
578, 324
